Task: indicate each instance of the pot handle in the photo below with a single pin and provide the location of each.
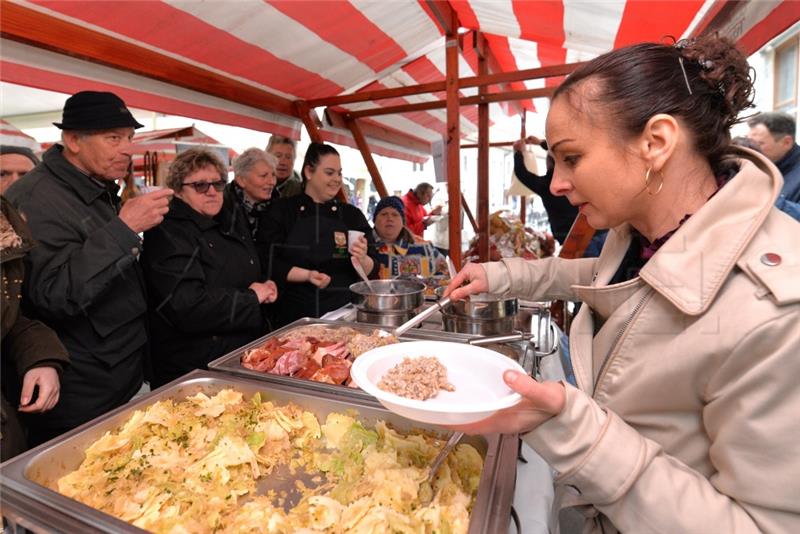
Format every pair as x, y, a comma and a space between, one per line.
505, 338
424, 314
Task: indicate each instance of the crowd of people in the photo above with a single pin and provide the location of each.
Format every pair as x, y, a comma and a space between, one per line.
684, 351
101, 295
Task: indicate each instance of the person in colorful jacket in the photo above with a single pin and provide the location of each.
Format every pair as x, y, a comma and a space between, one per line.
686, 348
398, 252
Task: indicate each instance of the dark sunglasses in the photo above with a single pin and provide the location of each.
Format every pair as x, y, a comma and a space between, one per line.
202, 187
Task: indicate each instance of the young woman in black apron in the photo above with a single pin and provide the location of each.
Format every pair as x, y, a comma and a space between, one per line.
304, 242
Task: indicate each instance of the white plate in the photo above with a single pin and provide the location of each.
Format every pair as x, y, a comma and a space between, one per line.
476, 373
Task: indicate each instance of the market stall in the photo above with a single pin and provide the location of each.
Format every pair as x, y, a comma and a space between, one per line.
150, 54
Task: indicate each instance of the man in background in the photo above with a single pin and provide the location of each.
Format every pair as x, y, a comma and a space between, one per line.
774, 133
15, 161
560, 213
417, 217
289, 182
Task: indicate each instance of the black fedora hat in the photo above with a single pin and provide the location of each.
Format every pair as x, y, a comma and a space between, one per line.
94, 110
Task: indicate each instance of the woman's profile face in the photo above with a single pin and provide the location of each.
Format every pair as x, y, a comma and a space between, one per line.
324, 181
594, 168
388, 224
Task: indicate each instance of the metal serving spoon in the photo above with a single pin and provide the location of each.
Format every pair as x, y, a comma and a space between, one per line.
440, 458
360, 270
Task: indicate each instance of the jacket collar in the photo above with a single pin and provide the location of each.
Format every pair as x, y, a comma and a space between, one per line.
411, 196
690, 268
788, 162
178, 209
88, 188
293, 178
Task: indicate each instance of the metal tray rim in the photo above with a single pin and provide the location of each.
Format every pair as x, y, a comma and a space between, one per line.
13, 472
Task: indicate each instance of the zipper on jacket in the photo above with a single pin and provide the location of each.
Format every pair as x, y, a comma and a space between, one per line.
621, 331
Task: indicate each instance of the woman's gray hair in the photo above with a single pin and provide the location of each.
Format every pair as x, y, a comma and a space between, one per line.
191, 161
245, 162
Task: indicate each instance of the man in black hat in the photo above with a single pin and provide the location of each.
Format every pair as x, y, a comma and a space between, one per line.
83, 277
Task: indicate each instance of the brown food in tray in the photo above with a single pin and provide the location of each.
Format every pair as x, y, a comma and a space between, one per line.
316, 352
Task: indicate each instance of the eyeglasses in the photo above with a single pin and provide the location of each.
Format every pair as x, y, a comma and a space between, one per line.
202, 187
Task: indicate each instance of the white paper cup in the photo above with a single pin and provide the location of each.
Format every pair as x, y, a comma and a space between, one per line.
150, 189
352, 237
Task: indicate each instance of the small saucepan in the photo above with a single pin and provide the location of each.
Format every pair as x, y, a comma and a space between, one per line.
388, 295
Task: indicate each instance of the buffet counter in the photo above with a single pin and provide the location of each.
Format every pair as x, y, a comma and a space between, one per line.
28, 481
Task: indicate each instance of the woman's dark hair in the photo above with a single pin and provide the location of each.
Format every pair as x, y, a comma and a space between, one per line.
314, 153
706, 82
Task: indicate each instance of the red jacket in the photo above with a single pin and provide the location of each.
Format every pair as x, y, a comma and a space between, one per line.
415, 212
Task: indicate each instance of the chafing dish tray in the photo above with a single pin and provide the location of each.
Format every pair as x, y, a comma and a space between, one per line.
26, 480
231, 362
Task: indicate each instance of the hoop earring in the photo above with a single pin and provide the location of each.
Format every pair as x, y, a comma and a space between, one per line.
647, 183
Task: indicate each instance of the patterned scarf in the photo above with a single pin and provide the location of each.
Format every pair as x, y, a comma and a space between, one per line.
8, 237
251, 209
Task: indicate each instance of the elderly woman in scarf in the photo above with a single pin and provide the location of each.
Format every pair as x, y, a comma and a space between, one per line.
399, 253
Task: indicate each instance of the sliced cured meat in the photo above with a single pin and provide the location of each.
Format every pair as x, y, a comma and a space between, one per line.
289, 363
308, 370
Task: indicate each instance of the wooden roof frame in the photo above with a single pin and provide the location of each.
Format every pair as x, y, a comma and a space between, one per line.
33, 27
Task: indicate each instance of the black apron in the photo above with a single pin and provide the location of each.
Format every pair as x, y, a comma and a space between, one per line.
317, 241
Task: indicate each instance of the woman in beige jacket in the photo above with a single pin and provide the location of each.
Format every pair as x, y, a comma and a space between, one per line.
687, 348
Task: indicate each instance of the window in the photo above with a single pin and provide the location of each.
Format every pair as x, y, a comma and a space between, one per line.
786, 61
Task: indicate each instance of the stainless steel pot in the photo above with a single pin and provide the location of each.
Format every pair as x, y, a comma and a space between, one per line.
478, 327
482, 307
389, 319
388, 295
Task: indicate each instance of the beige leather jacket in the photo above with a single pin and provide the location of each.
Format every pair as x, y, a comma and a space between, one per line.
686, 416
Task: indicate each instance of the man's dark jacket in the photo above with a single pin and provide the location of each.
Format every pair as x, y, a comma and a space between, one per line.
560, 212
83, 281
789, 165
198, 270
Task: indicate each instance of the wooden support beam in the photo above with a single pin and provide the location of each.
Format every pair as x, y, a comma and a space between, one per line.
483, 153
20, 23
376, 131
444, 15
453, 142
312, 124
498, 144
469, 214
523, 201
361, 142
577, 239
465, 101
435, 87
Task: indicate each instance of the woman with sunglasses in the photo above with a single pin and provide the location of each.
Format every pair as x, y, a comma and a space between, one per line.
206, 291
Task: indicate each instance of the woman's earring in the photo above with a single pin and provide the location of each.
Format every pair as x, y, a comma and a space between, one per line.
647, 183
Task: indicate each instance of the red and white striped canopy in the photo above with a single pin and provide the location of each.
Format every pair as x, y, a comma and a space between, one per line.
304, 49
10, 135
